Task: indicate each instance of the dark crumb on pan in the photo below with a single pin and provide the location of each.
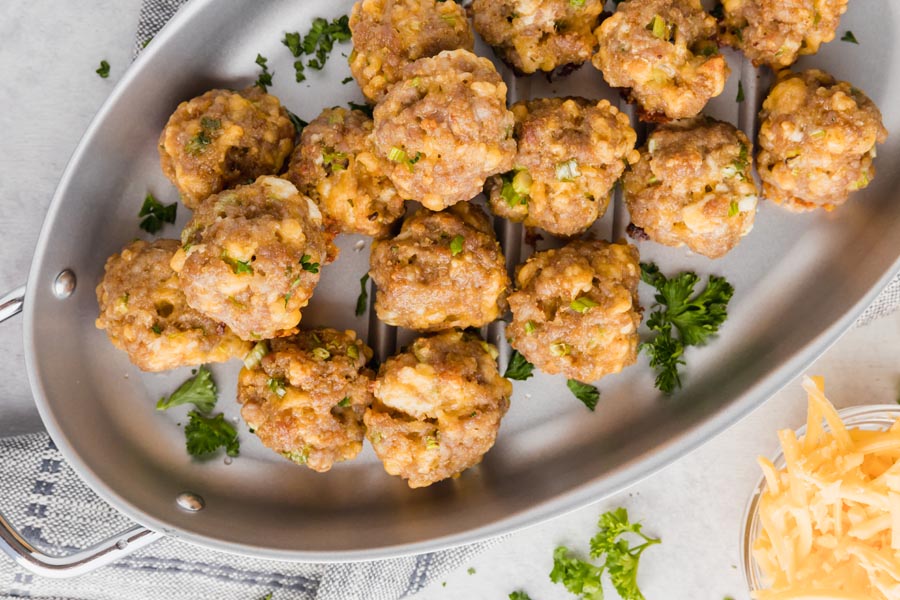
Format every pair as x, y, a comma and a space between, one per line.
562, 71
636, 233
532, 237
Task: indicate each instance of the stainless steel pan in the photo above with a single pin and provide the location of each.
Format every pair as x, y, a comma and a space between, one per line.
801, 280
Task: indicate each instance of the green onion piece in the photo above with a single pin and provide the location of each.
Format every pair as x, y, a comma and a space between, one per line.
321, 353
658, 27
559, 349
568, 170
733, 208
353, 351
576, 3
817, 133
345, 402
276, 386
529, 327
582, 304
490, 349
431, 443
397, 155
456, 245
255, 356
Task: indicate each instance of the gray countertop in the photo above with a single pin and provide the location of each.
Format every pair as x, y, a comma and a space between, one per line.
49, 94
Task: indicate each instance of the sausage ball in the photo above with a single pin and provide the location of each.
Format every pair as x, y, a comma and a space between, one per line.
538, 35
306, 397
575, 310
336, 165
222, 139
251, 257
775, 32
571, 152
817, 141
144, 312
443, 270
390, 34
665, 51
445, 129
437, 407
693, 186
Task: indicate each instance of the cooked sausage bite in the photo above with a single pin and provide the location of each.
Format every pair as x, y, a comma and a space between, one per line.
571, 152
443, 270
306, 397
335, 164
576, 311
693, 185
222, 139
251, 257
538, 35
445, 129
390, 34
775, 32
665, 52
144, 312
817, 141
437, 407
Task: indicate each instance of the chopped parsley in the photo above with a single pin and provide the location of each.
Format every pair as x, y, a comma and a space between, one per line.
311, 267
519, 595
518, 368
470, 570
103, 71
847, 37
346, 80
456, 245
200, 390
154, 213
740, 92
364, 108
345, 402
362, 301
265, 77
299, 124
205, 435
317, 43
156, 328
620, 559
587, 393
694, 317
208, 129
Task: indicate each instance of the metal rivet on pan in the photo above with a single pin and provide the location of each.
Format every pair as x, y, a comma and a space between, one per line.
122, 544
64, 284
190, 501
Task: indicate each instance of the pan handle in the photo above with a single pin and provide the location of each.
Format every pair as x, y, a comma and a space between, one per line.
11, 304
39, 563
71, 565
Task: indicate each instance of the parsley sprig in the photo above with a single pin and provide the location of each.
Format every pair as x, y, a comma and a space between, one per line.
518, 368
362, 301
620, 559
694, 317
585, 392
318, 42
199, 390
103, 71
205, 435
154, 213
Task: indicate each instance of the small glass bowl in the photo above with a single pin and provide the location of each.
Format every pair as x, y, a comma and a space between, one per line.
874, 417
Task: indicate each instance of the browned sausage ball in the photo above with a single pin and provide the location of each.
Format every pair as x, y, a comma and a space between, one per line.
222, 139
571, 152
576, 311
445, 129
144, 312
538, 35
817, 141
335, 164
664, 51
443, 270
390, 34
694, 186
776, 32
437, 407
251, 257
306, 397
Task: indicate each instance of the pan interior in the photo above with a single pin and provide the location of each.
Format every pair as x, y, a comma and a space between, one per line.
800, 281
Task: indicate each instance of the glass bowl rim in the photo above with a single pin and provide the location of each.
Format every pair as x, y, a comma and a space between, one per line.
876, 416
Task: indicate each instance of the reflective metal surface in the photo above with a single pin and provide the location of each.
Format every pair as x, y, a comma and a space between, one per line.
12, 303
800, 279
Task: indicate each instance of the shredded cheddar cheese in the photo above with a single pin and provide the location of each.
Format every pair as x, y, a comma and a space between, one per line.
831, 517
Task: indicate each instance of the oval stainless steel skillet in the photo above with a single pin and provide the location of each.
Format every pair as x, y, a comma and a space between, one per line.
801, 280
